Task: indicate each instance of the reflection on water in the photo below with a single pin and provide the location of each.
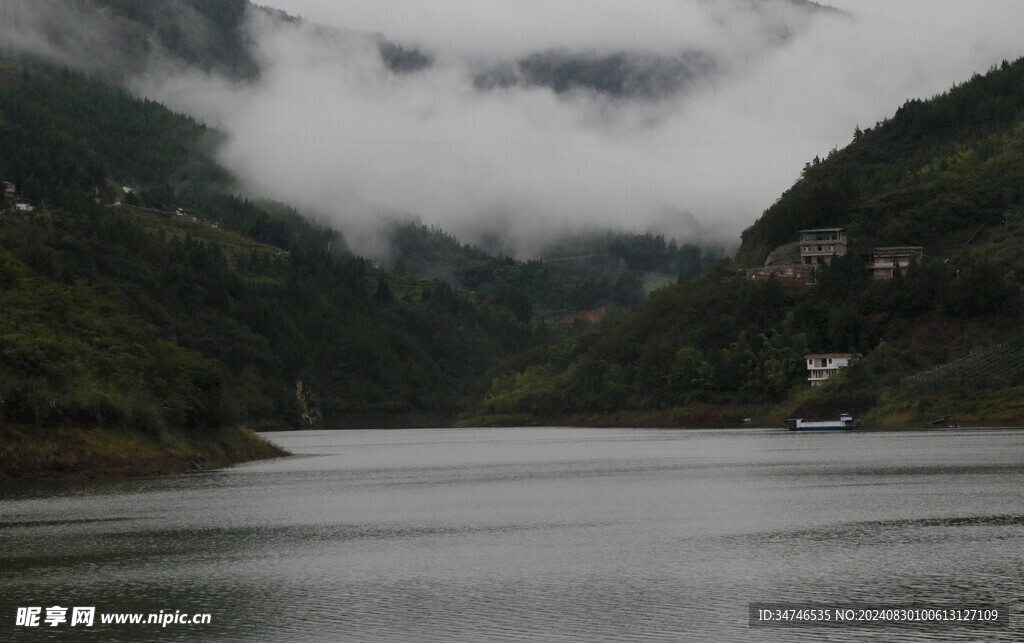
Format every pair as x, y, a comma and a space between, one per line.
525, 534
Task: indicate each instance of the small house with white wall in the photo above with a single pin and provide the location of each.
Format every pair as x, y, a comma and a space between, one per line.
821, 366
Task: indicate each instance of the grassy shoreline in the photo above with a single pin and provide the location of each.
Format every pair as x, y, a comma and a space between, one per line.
712, 416
696, 416
29, 454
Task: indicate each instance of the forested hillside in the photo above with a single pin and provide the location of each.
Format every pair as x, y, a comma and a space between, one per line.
128, 202
144, 301
931, 175
64, 135
574, 276
173, 305
208, 35
946, 174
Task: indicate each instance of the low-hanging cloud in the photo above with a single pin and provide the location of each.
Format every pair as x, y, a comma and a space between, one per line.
68, 34
331, 128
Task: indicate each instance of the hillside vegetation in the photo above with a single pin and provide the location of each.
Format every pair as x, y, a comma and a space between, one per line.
931, 175
147, 311
947, 174
176, 306
576, 276
204, 34
262, 293
272, 299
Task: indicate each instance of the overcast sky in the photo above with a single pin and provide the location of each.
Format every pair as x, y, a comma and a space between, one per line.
331, 129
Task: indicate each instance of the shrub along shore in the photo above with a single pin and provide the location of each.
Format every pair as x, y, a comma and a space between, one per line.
28, 453
991, 412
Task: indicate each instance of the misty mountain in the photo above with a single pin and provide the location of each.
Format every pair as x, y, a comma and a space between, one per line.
523, 128
619, 75
390, 101
121, 38
124, 37
139, 292
401, 59
645, 75
934, 174
123, 221
945, 174
578, 278
209, 35
623, 74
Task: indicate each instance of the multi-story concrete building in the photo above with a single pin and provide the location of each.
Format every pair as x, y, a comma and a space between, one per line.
884, 262
820, 245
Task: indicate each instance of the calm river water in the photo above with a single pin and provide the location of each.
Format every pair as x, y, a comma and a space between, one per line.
533, 534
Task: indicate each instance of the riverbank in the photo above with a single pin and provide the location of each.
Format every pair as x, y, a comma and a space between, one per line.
695, 416
28, 453
383, 420
710, 416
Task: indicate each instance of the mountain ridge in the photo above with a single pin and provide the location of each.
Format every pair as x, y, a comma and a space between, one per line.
945, 174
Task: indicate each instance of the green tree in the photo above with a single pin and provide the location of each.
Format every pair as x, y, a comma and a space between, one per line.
691, 371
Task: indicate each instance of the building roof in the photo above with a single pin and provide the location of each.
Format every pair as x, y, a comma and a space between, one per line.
821, 230
898, 250
832, 355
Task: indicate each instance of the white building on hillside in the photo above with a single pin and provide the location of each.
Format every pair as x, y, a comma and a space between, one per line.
821, 366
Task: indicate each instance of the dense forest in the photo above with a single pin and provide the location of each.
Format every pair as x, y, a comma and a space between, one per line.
207, 35
611, 271
945, 174
931, 175
167, 302
129, 204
